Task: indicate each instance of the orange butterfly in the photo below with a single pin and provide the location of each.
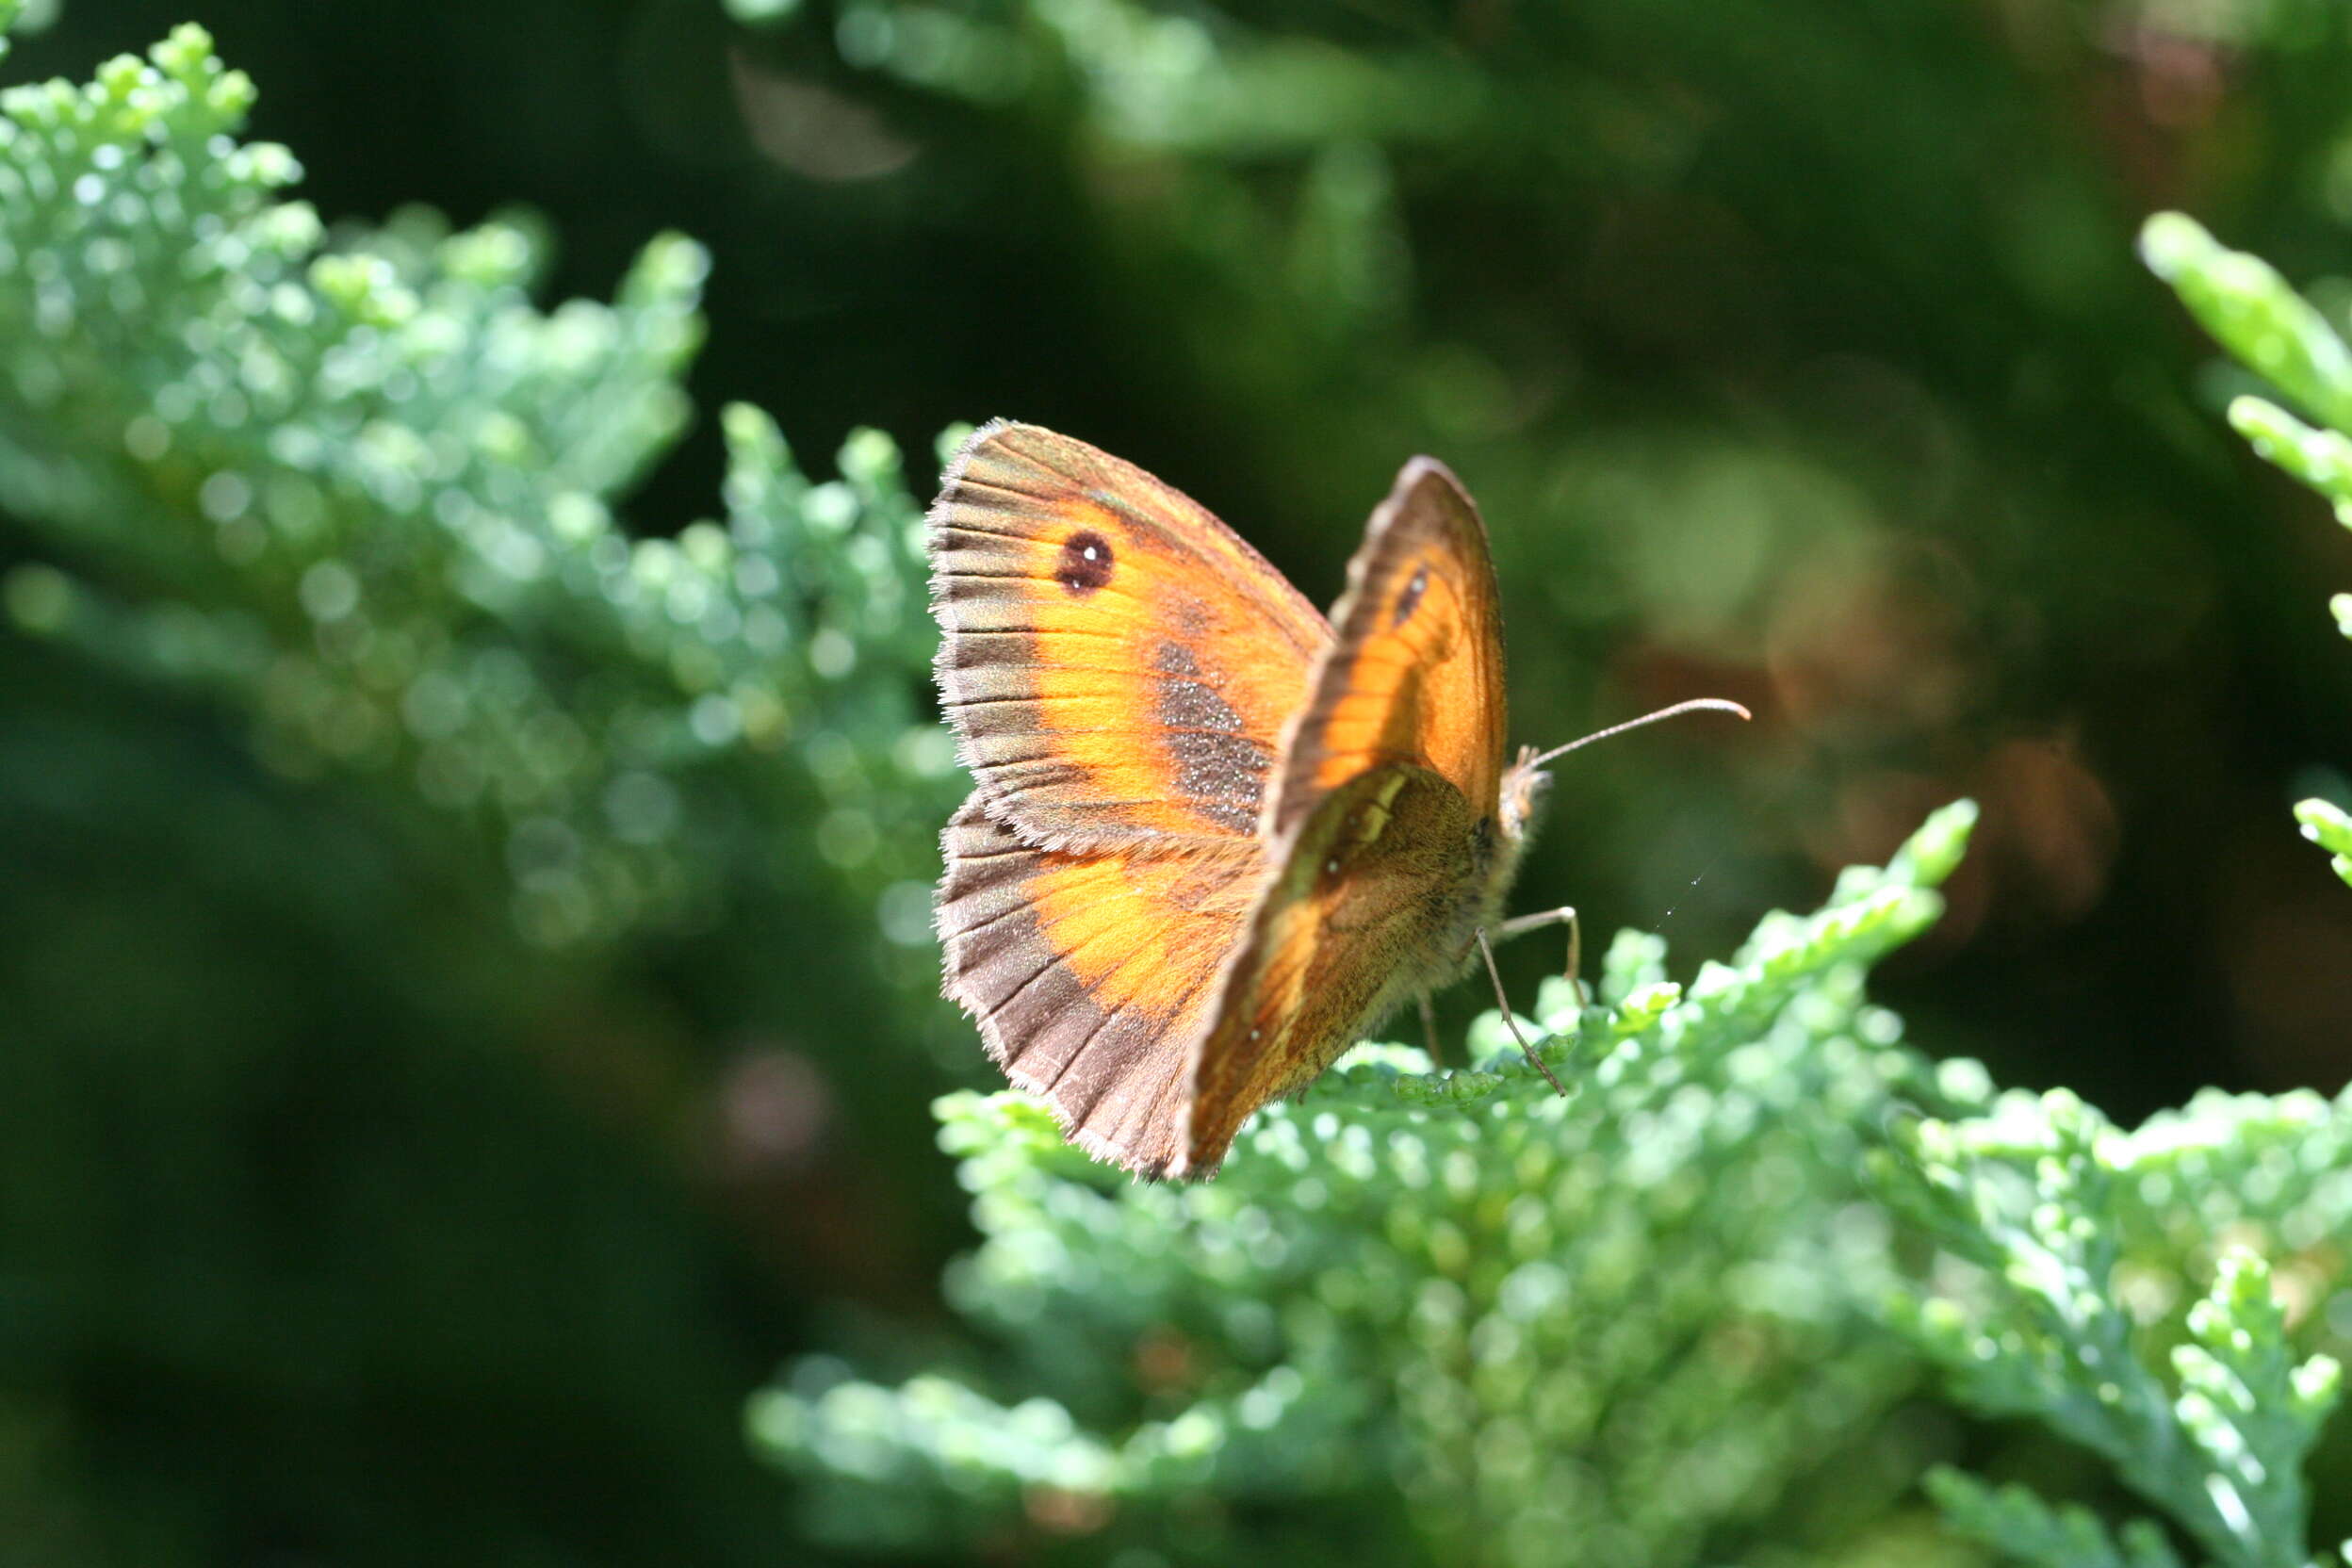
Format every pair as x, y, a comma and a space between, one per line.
1216, 838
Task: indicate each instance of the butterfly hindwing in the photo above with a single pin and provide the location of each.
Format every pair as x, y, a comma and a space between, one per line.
1341, 935
1090, 975
1116, 661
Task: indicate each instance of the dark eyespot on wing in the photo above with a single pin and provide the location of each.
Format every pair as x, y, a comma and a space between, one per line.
1409, 599
1086, 564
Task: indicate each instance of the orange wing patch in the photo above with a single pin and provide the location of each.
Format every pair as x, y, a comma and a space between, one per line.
1090, 975
1416, 675
1116, 662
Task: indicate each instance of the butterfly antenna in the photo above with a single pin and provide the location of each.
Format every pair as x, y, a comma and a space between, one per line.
1719, 705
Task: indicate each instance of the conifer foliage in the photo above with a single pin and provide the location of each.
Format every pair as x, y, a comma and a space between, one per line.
356, 489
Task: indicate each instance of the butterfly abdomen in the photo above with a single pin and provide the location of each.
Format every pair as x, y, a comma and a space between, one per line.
1468, 900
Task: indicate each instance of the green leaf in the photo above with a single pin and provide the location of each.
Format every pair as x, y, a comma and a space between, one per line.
364, 491
2327, 826
2253, 312
2055, 1209
2021, 1526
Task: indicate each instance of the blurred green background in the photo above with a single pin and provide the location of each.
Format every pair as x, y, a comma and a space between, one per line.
1797, 354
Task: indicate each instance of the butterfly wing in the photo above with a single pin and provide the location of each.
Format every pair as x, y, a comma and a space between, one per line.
1090, 975
1350, 926
1387, 840
1116, 661
1416, 674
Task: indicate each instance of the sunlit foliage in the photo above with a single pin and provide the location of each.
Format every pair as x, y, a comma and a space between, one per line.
1452, 1316
2289, 342
364, 488
355, 496
2080, 1247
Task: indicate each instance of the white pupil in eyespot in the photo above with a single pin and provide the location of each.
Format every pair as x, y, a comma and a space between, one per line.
1090, 553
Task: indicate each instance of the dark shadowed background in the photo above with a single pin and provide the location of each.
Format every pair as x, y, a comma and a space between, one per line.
1796, 353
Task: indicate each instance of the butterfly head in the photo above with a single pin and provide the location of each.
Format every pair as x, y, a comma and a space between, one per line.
1524, 784
1524, 780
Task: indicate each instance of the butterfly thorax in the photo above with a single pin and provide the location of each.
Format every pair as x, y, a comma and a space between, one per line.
1472, 898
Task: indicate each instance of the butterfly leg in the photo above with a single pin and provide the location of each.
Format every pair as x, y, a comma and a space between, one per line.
1564, 915
1428, 1031
1486, 951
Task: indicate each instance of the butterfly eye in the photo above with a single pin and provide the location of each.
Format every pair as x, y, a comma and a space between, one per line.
1411, 598
1085, 563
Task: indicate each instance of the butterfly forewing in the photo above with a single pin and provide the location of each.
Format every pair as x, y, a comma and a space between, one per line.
1416, 674
1116, 661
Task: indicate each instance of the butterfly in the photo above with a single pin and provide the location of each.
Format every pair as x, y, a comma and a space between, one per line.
1213, 837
